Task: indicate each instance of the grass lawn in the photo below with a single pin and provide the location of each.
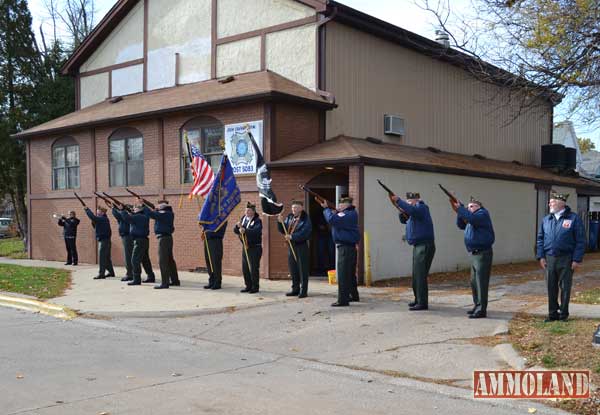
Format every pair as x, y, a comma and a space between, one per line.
40, 282
12, 248
560, 345
591, 296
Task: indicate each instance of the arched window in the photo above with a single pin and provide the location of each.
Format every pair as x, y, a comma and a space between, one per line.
65, 164
126, 157
206, 134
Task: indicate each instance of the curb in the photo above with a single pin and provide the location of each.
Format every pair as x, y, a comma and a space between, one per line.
510, 356
36, 306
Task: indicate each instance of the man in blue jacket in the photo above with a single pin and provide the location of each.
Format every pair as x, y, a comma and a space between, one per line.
139, 230
164, 219
476, 222
297, 229
249, 229
560, 249
103, 233
344, 228
126, 241
419, 234
70, 234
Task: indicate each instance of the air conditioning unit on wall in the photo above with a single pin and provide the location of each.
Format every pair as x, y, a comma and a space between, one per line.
393, 125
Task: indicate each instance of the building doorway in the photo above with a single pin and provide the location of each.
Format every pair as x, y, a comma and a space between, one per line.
329, 185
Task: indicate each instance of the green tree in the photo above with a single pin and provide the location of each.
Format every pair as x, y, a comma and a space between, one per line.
585, 145
18, 62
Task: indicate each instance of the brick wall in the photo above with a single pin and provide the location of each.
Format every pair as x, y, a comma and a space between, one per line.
295, 127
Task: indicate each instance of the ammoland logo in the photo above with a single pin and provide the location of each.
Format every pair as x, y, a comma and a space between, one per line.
531, 384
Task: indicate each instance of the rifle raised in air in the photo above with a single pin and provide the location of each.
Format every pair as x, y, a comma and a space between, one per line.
453, 199
320, 199
117, 202
391, 194
80, 200
144, 201
108, 202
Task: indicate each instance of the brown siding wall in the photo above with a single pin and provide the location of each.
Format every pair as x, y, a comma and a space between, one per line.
296, 128
443, 106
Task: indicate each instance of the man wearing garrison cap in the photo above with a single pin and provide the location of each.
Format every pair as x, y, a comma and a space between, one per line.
560, 249
249, 229
479, 237
419, 233
344, 228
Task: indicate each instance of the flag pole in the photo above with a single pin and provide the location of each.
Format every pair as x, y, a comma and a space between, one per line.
208, 252
289, 240
245, 245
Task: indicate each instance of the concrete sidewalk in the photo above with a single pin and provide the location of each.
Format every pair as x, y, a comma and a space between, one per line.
113, 298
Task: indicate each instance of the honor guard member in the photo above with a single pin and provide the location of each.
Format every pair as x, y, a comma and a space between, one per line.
475, 220
560, 249
126, 241
213, 255
139, 230
70, 234
249, 229
419, 234
164, 219
344, 227
103, 234
298, 229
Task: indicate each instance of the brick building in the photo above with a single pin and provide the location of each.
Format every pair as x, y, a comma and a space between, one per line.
340, 99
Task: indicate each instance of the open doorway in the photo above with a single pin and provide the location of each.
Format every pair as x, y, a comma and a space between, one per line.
322, 248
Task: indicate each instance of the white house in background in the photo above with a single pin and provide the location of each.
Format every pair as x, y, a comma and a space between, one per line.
564, 133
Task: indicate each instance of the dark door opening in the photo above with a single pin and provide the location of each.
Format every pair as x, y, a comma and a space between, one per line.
322, 255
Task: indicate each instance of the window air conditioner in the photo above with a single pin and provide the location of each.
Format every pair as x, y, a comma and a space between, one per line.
393, 125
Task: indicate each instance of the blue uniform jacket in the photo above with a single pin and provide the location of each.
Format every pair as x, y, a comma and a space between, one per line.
302, 230
565, 236
163, 220
69, 226
479, 232
419, 227
253, 230
344, 225
101, 225
139, 224
218, 234
123, 226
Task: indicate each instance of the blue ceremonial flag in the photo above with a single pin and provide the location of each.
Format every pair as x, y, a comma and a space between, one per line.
224, 196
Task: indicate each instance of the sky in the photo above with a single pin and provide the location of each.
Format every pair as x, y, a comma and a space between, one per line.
404, 13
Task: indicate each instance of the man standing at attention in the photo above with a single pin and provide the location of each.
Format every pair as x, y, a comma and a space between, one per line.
560, 249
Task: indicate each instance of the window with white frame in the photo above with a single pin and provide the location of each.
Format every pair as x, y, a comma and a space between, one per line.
126, 158
65, 164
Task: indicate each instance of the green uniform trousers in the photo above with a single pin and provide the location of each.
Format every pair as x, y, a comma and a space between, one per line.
559, 276
422, 258
346, 273
252, 273
127, 250
299, 269
215, 275
481, 267
166, 261
104, 259
140, 258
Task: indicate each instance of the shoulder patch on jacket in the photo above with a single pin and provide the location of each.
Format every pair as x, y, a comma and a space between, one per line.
341, 214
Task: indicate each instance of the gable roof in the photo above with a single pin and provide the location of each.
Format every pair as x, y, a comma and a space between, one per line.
244, 88
347, 150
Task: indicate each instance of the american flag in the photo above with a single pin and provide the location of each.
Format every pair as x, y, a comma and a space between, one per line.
203, 173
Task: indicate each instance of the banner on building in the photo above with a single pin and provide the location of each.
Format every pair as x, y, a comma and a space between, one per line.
239, 147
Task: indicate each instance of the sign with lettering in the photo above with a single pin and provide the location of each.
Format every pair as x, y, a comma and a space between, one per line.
239, 147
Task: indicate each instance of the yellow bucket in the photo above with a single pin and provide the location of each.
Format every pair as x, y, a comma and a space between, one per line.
332, 277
